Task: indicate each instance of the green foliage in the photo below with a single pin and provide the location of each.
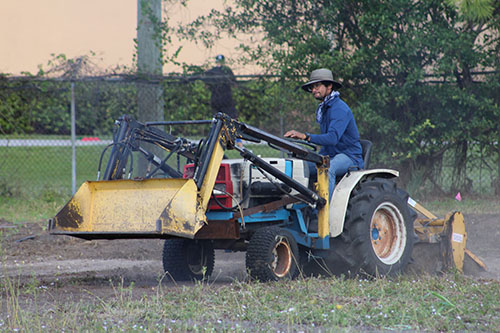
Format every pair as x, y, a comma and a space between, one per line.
99, 104
475, 10
189, 100
262, 104
43, 106
406, 66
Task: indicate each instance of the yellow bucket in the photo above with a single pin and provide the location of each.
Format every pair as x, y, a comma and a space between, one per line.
162, 206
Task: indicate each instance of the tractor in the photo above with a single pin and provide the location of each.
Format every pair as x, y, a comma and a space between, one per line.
158, 185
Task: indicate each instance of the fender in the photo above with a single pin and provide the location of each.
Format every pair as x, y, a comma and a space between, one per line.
342, 193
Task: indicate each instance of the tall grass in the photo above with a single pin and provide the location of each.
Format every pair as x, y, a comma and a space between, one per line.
449, 303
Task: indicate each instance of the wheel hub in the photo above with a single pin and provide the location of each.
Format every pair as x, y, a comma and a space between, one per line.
387, 232
282, 258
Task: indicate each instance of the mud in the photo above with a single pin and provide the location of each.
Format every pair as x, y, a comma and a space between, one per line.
483, 239
29, 253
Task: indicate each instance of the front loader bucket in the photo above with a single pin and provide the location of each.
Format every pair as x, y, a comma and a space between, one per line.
143, 208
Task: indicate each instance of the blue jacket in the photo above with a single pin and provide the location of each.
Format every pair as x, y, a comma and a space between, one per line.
339, 133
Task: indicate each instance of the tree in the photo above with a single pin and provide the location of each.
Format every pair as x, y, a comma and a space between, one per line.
407, 65
485, 14
476, 10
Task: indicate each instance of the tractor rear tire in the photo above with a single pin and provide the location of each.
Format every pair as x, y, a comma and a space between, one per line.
378, 229
272, 255
188, 259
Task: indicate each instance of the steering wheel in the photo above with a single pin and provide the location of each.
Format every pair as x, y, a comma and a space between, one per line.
303, 142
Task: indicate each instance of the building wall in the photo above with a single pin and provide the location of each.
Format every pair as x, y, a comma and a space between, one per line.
32, 30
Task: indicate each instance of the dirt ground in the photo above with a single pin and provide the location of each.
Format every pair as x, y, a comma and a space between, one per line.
78, 266
75, 266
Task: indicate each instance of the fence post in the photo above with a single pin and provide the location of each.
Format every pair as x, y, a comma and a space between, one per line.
282, 123
282, 154
73, 139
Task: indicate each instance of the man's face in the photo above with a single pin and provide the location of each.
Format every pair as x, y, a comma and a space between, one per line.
320, 90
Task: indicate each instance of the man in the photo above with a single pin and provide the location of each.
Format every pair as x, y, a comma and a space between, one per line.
339, 135
220, 81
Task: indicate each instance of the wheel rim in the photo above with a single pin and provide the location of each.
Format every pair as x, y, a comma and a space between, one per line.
282, 258
388, 233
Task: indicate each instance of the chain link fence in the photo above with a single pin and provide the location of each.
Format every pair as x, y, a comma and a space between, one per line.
41, 154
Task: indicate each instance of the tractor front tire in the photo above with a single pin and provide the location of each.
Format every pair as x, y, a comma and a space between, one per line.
188, 259
379, 229
272, 255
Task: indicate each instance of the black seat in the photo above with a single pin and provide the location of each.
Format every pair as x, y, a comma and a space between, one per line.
366, 151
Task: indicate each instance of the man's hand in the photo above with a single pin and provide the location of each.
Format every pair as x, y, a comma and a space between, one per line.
295, 135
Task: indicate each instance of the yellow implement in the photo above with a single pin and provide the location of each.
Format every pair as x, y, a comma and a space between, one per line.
448, 238
157, 206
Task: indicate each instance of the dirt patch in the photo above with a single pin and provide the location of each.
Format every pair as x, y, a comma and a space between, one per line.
483, 239
27, 251
30, 252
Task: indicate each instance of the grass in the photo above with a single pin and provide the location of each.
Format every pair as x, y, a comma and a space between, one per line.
47, 167
20, 209
449, 303
37, 167
36, 181
468, 205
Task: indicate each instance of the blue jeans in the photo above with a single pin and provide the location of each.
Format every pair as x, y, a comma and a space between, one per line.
339, 165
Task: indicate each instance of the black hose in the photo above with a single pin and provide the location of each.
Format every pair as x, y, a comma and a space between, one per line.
247, 193
131, 163
100, 160
278, 186
102, 156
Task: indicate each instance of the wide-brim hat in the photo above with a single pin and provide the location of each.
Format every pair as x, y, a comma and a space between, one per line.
321, 75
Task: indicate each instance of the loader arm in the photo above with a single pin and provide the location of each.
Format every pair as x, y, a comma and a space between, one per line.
143, 207
127, 138
149, 207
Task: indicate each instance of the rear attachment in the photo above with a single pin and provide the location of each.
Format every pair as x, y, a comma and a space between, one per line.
442, 243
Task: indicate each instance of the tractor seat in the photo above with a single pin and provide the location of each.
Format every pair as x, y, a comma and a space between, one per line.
366, 151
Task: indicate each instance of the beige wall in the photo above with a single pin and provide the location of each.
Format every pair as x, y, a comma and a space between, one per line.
32, 30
